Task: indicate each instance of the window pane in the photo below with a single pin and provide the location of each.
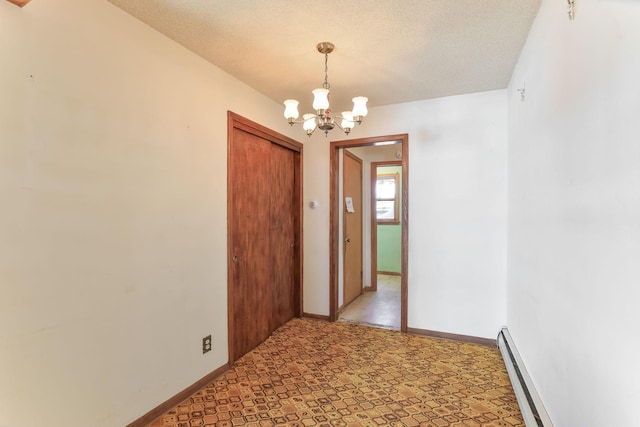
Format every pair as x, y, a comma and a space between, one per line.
385, 210
386, 188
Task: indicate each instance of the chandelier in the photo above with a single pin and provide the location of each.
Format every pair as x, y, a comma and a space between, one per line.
323, 118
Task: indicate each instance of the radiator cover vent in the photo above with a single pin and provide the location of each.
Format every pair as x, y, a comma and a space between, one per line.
529, 401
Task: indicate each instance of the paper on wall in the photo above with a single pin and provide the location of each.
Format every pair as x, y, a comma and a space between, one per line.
349, 202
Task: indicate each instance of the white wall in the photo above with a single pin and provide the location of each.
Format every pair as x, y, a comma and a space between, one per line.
457, 211
113, 218
113, 249
574, 211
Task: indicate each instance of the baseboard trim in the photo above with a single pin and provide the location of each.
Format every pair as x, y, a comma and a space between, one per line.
452, 337
315, 316
159, 410
389, 273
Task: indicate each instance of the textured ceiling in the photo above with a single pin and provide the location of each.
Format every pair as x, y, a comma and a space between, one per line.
391, 51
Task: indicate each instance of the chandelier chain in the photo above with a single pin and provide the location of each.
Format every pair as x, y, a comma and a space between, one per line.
326, 84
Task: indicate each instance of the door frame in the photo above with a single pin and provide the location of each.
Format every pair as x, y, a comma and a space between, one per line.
235, 121
334, 157
373, 220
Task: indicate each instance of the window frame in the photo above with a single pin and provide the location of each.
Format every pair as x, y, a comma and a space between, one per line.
395, 177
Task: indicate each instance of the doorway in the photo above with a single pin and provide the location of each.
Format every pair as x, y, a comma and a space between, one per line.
335, 230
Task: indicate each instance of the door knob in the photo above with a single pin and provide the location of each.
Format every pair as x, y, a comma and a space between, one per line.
235, 258
347, 240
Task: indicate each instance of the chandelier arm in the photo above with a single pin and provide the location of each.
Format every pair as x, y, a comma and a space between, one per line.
339, 116
300, 121
335, 118
316, 116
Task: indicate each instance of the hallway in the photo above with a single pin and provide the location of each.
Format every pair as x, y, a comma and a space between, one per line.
380, 308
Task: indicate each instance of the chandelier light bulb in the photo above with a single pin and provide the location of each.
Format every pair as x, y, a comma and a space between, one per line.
320, 99
309, 124
347, 121
360, 107
291, 110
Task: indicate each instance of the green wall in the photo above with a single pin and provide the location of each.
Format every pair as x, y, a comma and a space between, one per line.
390, 235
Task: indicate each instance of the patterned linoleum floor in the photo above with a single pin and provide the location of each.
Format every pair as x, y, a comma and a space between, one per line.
379, 308
316, 373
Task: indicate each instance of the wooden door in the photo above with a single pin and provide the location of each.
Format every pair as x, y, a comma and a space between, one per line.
264, 209
352, 265
282, 235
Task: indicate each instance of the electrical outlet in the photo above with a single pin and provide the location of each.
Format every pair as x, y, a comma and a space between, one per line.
206, 344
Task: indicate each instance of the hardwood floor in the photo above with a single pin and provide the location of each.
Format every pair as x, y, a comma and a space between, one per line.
380, 308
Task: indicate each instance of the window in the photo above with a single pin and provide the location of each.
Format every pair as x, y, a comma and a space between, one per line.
387, 198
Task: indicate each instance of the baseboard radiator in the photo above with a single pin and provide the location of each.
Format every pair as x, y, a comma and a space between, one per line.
530, 403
